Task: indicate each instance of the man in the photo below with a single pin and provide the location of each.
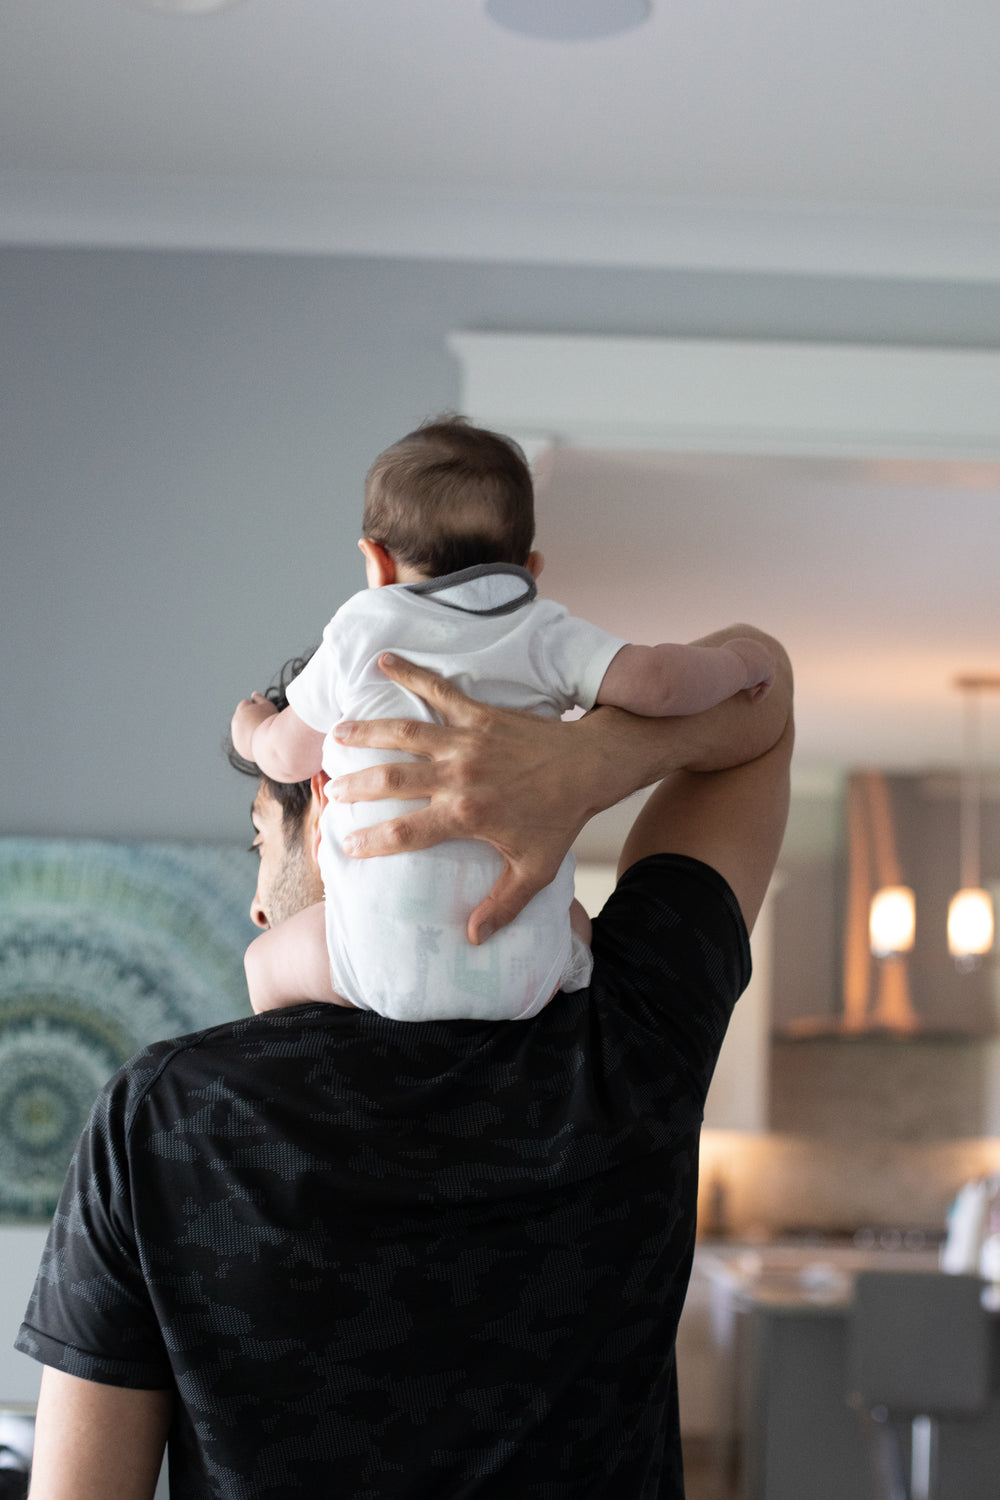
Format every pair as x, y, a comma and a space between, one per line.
340, 1255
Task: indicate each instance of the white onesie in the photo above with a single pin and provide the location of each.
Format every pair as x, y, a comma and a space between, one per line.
396, 926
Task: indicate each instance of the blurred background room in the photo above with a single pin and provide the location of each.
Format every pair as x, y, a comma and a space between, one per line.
732, 276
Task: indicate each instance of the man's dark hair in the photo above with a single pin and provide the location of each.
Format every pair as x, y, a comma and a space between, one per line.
449, 496
292, 796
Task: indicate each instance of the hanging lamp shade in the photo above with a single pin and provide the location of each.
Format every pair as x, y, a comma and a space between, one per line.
970, 911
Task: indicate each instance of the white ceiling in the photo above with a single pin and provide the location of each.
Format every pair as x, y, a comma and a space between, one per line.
854, 135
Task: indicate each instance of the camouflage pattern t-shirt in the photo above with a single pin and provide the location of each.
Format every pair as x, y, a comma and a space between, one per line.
428, 1261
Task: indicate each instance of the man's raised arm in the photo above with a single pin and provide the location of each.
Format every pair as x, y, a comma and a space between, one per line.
528, 785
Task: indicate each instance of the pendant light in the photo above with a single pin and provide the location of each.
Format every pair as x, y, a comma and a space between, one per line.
970, 912
892, 921
892, 914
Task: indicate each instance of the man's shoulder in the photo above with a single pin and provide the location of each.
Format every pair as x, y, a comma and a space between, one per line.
126, 1088
677, 908
680, 879
671, 958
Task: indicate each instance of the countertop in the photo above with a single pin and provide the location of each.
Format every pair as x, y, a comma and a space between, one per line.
796, 1276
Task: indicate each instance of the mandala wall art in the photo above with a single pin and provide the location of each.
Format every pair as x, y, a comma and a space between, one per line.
104, 947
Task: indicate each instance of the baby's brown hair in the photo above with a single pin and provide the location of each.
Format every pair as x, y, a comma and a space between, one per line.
450, 496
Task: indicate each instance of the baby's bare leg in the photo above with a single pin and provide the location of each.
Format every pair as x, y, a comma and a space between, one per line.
579, 921
289, 965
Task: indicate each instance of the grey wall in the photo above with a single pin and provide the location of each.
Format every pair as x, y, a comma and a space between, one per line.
183, 446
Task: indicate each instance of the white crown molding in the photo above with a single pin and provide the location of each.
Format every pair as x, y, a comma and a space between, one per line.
717, 396
307, 217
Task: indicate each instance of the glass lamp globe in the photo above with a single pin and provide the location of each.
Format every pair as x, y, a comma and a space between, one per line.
970, 924
892, 921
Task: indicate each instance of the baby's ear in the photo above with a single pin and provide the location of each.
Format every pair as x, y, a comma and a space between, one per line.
379, 566
535, 564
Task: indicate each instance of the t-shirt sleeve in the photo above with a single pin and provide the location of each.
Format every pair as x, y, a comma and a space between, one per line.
671, 958
577, 655
313, 693
90, 1313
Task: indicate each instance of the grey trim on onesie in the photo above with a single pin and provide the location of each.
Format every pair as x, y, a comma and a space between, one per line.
468, 575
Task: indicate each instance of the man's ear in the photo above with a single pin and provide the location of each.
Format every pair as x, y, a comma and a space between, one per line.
317, 802
535, 564
379, 566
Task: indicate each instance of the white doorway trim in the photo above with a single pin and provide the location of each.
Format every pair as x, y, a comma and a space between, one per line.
718, 396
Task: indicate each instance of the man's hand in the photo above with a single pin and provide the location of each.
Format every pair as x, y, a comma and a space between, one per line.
249, 713
528, 785
512, 779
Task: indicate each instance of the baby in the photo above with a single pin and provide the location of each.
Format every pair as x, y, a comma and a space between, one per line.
448, 530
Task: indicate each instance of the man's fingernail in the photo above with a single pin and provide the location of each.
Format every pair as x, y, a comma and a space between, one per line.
343, 731
350, 843
388, 660
486, 930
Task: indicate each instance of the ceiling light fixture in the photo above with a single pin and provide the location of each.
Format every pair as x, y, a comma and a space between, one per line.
892, 921
892, 915
970, 912
182, 7
568, 20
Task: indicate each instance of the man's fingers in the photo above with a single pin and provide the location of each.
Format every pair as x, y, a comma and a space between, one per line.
414, 735
510, 895
401, 779
449, 701
418, 830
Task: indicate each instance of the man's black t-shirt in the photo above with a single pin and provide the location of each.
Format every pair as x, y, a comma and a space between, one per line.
427, 1260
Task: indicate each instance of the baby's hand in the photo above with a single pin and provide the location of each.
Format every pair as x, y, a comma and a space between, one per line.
249, 713
759, 663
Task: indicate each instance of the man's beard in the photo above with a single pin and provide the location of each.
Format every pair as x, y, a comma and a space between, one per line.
297, 884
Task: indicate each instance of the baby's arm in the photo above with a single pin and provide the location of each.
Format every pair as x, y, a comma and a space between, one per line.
669, 679
281, 744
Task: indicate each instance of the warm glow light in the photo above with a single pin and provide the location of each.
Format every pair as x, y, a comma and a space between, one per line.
892, 921
970, 924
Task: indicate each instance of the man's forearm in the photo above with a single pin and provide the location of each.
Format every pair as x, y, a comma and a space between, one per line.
620, 753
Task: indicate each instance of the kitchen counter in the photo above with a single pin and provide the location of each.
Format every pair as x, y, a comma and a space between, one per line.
800, 1276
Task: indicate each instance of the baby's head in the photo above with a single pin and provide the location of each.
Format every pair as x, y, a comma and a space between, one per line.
450, 496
